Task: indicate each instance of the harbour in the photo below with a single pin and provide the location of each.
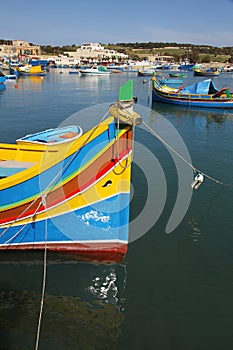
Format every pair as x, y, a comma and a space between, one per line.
173, 289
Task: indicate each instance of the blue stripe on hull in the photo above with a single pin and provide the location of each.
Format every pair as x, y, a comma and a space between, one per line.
104, 221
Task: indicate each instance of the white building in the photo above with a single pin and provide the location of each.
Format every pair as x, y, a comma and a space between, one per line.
92, 47
64, 61
96, 51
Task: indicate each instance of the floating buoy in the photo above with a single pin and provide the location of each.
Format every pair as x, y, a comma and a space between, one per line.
144, 81
198, 180
16, 86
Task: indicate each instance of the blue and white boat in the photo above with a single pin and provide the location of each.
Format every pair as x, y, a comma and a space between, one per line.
95, 70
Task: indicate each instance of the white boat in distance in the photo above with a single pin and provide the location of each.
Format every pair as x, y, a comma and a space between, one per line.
95, 70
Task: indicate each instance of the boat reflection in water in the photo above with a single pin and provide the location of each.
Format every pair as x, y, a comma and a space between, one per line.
31, 83
210, 114
83, 303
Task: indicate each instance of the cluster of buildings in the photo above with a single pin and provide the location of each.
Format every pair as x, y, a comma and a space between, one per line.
88, 52
18, 48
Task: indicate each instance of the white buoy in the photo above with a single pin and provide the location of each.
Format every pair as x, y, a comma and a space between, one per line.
198, 180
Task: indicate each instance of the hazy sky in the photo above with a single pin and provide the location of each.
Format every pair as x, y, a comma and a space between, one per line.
76, 21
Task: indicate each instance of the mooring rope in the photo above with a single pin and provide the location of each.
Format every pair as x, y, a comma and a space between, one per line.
182, 158
44, 279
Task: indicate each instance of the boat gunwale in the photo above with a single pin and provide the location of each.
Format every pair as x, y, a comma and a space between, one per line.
26, 140
58, 151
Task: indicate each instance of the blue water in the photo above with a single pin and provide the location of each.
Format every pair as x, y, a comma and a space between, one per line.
173, 291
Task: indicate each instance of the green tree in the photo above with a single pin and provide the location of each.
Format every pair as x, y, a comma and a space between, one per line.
193, 56
230, 59
205, 59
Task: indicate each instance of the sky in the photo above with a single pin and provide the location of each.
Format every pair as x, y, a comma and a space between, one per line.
73, 22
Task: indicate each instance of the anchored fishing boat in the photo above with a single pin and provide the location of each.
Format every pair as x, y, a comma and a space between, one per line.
146, 72
177, 75
201, 94
209, 72
69, 190
30, 70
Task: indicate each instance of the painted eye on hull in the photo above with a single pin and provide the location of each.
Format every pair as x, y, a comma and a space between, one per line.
107, 183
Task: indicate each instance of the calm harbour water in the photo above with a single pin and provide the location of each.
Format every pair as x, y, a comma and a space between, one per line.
173, 291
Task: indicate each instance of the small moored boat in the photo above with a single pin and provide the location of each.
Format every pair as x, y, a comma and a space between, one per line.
95, 70
201, 94
177, 75
29, 70
210, 72
146, 72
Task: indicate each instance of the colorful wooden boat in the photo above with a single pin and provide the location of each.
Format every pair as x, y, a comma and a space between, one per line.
186, 66
177, 75
29, 70
201, 94
211, 72
70, 191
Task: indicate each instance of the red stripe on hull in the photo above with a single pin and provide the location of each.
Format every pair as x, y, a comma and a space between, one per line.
99, 252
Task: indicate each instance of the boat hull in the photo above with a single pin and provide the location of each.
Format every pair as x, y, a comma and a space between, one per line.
206, 74
191, 103
91, 73
26, 74
84, 210
87, 232
2, 79
146, 73
30, 71
96, 70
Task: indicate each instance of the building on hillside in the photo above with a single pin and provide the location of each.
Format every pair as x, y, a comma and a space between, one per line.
96, 52
26, 49
19, 48
92, 47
